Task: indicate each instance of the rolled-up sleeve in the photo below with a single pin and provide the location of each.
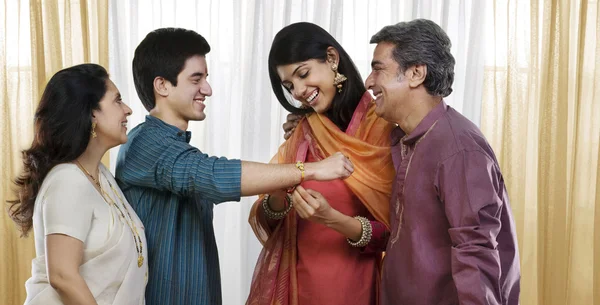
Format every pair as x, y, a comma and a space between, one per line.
182, 169
469, 185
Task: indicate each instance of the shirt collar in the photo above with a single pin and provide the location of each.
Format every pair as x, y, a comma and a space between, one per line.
399, 135
168, 128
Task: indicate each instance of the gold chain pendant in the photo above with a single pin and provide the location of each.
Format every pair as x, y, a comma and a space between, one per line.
129, 222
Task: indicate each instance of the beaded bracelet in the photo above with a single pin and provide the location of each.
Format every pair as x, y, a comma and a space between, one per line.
276, 215
366, 234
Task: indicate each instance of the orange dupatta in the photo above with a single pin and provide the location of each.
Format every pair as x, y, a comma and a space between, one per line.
367, 143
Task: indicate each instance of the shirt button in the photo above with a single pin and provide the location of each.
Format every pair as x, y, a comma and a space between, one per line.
180, 133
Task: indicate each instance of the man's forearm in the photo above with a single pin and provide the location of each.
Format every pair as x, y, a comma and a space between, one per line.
476, 271
260, 178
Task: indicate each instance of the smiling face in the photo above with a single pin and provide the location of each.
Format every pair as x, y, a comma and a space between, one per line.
111, 119
390, 87
311, 82
186, 100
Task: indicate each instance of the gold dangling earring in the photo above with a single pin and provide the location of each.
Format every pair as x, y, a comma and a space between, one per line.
339, 77
93, 133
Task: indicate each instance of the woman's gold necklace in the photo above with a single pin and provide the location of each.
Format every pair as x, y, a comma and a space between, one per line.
130, 223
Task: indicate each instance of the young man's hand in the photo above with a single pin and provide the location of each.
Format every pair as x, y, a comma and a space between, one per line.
337, 166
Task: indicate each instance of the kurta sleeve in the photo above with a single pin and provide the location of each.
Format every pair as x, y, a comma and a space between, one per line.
182, 169
469, 186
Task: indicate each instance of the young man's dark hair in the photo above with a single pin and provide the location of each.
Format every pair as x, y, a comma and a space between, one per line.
163, 53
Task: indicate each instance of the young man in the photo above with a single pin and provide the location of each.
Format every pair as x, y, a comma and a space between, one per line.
453, 237
173, 185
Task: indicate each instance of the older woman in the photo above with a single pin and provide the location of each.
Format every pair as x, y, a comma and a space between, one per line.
90, 245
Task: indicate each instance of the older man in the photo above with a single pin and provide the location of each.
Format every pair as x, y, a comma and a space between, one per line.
453, 237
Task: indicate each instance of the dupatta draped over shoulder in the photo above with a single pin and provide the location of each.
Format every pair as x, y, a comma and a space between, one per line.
367, 143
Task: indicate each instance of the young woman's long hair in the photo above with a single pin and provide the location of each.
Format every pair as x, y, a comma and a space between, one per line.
303, 41
62, 127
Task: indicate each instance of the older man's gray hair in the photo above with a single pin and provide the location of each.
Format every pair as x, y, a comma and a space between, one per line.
422, 42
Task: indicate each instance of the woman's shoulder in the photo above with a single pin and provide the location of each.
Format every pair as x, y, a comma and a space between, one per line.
66, 174
64, 178
63, 170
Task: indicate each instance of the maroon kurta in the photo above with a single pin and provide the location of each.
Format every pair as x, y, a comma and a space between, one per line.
453, 237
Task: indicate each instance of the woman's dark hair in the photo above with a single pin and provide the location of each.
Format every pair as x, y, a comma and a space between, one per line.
303, 41
62, 127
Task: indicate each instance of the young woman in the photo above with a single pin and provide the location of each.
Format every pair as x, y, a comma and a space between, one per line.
323, 242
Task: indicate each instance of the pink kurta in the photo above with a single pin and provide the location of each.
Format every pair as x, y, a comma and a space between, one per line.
329, 270
308, 263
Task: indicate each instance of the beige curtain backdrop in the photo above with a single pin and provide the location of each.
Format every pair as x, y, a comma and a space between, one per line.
37, 38
541, 113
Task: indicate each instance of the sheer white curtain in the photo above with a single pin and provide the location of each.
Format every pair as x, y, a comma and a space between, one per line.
243, 117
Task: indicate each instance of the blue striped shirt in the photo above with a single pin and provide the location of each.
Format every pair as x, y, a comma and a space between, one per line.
173, 187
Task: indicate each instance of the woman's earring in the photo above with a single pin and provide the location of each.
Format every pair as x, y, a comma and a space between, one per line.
93, 133
339, 77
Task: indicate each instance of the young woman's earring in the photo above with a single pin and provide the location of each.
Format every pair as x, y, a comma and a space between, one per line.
339, 77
